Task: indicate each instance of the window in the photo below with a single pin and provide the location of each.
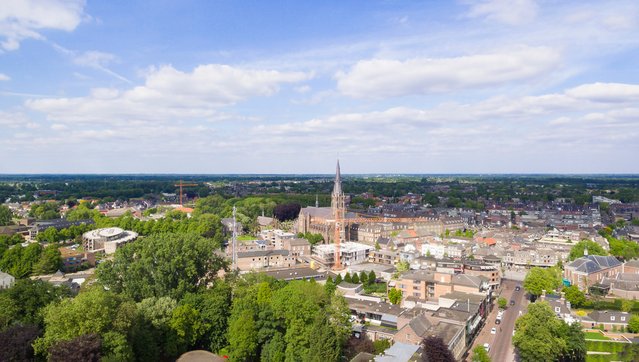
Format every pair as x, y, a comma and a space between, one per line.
417, 295
623, 319
612, 318
557, 309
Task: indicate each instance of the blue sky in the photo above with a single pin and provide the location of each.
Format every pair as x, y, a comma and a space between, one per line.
491, 86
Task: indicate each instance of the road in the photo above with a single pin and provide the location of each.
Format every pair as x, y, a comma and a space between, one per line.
501, 348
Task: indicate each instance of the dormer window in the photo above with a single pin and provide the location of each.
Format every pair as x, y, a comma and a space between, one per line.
623, 319
612, 318
557, 309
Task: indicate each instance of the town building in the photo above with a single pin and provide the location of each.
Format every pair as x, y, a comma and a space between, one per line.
350, 253
589, 270
6, 280
264, 259
107, 240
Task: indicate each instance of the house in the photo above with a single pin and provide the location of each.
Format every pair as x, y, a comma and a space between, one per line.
428, 324
624, 285
261, 259
6, 280
591, 269
631, 266
297, 247
375, 313
609, 319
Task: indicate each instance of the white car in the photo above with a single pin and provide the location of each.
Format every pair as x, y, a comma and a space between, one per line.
500, 314
493, 330
487, 347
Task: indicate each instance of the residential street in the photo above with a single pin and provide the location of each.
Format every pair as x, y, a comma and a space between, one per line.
501, 348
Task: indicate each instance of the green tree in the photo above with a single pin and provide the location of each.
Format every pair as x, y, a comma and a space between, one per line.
242, 337
45, 211
633, 324
402, 266
395, 296
623, 249
348, 278
162, 265
338, 279
29, 297
575, 340
363, 277
187, 324
626, 305
502, 302
5, 216
540, 336
355, 279
372, 278
94, 311
575, 296
539, 279
480, 354
594, 248
50, 261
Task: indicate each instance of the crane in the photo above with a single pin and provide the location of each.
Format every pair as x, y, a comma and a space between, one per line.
182, 184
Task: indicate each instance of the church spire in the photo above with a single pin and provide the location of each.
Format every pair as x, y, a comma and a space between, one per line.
338, 205
337, 188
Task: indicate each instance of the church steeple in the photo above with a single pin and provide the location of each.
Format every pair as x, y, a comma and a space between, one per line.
337, 188
338, 204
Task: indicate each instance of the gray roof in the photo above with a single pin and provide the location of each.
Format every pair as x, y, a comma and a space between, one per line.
468, 280
295, 273
259, 253
420, 325
604, 316
593, 263
398, 352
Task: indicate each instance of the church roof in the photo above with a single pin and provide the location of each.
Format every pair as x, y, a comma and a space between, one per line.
593, 263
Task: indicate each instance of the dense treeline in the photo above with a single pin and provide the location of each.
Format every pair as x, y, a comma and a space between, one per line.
166, 294
460, 190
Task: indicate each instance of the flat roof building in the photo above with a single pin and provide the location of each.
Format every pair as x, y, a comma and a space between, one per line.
107, 239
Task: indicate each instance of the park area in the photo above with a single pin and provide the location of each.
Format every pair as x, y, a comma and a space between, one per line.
602, 348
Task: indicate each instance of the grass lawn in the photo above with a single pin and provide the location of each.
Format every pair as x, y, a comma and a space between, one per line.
596, 335
618, 351
246, 238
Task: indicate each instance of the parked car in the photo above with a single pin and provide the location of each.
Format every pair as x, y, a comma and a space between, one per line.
487, 347
517, 288
498, 321
512, 302
493, 330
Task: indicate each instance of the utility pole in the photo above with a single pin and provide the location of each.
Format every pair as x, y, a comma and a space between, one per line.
234, 239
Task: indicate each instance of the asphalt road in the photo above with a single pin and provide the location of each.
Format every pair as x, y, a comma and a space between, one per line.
501, 348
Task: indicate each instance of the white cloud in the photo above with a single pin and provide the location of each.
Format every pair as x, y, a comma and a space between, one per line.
169, 94
24, 19
4, 77
379, 78
511, 12
606, 92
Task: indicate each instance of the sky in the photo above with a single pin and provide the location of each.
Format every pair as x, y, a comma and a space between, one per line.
203, 86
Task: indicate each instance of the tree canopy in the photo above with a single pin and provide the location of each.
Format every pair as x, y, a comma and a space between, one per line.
594, 248
541, 336
539, 279
162, 265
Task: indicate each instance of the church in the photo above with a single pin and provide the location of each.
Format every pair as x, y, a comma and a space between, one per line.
321, 220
